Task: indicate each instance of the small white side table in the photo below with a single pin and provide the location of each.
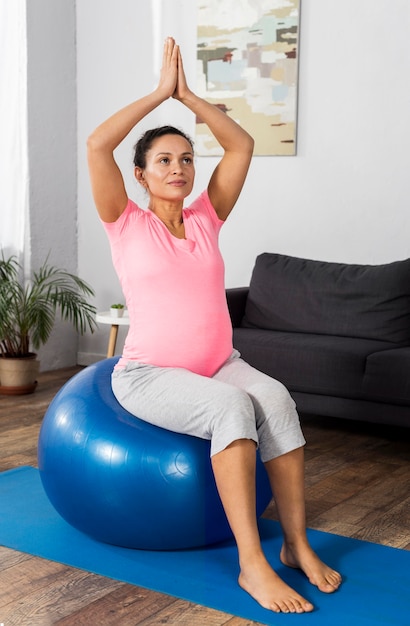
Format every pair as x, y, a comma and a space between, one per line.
105, 317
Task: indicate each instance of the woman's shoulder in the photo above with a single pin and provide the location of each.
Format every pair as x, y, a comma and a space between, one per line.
202, 205
200, 201
131, 212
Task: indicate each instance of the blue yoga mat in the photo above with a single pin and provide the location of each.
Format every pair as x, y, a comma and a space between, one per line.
376, 578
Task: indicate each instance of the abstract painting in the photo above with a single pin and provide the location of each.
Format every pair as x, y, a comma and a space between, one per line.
247, 65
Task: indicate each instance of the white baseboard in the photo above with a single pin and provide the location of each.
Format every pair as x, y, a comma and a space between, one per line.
88, 358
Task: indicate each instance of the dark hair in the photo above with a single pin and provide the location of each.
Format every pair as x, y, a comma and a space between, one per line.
147, 139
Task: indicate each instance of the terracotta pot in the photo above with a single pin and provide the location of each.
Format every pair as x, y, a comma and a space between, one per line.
18, 376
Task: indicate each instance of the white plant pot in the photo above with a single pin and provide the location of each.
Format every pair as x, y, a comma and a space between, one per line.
116, 312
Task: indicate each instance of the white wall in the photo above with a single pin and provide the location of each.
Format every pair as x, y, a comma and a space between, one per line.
344, 197
51, 224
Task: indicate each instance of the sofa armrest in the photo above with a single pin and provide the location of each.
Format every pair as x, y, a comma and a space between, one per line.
236, 298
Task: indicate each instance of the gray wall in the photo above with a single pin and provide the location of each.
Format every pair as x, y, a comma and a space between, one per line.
52, 148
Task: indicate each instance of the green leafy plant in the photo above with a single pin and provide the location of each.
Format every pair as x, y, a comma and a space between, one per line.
117, 306
28, 308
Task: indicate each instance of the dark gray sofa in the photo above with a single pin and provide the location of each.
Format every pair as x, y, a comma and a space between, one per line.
336, 335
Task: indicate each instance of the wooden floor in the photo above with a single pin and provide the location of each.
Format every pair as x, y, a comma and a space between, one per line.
357, 485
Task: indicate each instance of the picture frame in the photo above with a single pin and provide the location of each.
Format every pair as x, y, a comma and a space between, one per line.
247, 65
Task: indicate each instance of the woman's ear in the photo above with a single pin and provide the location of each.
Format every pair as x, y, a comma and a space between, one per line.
139, 176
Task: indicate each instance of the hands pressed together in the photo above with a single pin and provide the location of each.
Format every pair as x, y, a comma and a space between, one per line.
172, 80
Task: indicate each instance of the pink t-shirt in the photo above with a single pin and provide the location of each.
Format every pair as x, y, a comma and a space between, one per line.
174, 288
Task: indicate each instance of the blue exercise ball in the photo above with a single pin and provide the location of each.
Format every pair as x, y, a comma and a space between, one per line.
123, 481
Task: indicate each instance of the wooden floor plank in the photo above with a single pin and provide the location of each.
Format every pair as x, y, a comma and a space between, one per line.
185, 614
46, 591
11, 558
127, 605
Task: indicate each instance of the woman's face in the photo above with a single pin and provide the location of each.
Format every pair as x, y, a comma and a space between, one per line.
169, 173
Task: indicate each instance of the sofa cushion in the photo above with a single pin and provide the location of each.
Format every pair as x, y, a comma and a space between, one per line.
300, 295
309, 363
387, 376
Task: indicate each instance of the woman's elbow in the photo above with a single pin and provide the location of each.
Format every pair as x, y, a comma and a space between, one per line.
93, 142
249, 144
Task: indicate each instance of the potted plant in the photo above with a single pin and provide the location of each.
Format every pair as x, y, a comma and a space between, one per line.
117, 310
27, 313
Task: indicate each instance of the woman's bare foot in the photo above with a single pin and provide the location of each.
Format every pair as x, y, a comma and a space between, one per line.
267, 588
318, 573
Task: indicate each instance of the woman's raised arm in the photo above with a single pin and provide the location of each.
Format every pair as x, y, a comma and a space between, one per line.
229, 176
107, 182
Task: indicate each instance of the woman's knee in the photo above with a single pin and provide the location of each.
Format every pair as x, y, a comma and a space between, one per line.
235, 402
272, 397
283, 398
234, 412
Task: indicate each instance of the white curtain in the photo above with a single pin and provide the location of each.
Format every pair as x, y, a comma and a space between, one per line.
13, 125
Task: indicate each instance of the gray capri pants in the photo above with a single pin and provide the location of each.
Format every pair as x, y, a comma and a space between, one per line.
238, 402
